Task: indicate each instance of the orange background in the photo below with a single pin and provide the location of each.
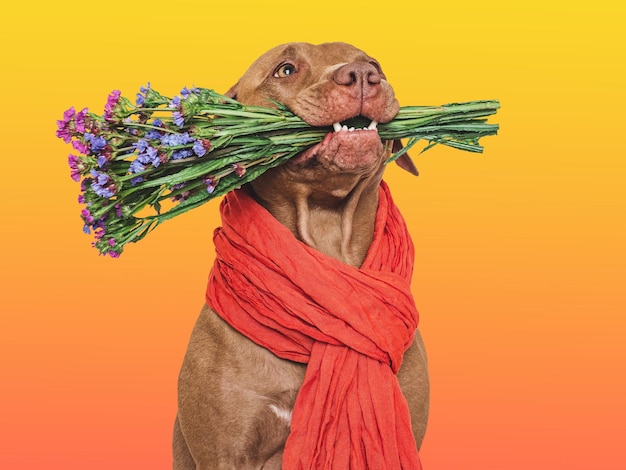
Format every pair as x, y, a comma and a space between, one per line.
520, 262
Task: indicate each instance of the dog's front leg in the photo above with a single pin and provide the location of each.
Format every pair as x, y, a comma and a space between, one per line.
235, 401
414, 383
182, 456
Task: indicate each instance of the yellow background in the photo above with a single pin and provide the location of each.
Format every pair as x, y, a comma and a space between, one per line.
520, 261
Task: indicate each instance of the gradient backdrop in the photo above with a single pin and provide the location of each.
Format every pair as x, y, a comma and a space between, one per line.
521, 260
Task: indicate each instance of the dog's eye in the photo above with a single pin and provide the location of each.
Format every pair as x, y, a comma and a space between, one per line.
285, 70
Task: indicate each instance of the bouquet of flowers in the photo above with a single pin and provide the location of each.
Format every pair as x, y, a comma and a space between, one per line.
144, 163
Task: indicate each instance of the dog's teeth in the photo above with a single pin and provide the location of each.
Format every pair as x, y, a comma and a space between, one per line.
344, 128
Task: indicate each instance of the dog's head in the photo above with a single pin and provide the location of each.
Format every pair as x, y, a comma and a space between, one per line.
327, 85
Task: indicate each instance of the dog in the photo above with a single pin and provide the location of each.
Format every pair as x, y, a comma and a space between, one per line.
236, 397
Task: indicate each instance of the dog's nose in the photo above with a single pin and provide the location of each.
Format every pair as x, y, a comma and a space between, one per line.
360, 75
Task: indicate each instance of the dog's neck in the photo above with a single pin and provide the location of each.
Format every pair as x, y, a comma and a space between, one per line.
339, 223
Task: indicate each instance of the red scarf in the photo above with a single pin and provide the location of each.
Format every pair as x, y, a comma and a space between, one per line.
352, 326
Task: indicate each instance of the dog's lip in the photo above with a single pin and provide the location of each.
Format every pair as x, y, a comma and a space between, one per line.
342, 137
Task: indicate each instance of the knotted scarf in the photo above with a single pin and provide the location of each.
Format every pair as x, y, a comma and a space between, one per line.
350, 325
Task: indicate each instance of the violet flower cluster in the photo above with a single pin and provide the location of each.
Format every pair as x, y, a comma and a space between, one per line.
140, 164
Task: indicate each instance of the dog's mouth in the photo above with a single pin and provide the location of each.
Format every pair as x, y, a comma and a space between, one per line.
358, 123
353, 145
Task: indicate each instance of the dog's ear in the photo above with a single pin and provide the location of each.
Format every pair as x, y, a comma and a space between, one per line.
404, 161
232, 92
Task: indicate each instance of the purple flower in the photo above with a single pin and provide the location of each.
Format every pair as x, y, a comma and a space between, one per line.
100, 224
143, 93
99, 177
199, 149
80, 147
168, 140
86, 216
153, 135
153, 155
64, 133
97, 143
114, 254
175, 102
179, 120
180, 154
102, 160
102, 184
157, 123
63, 126
136, 167
79, 122
136, 181
77, 167
149, 157
112, 101
141, 145
210, 185
185, 92
69, 114
174, 140
113, 98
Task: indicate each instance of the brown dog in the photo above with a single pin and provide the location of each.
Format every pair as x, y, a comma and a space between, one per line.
235, 397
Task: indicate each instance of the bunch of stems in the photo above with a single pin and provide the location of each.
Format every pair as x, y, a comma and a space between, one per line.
144, 163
